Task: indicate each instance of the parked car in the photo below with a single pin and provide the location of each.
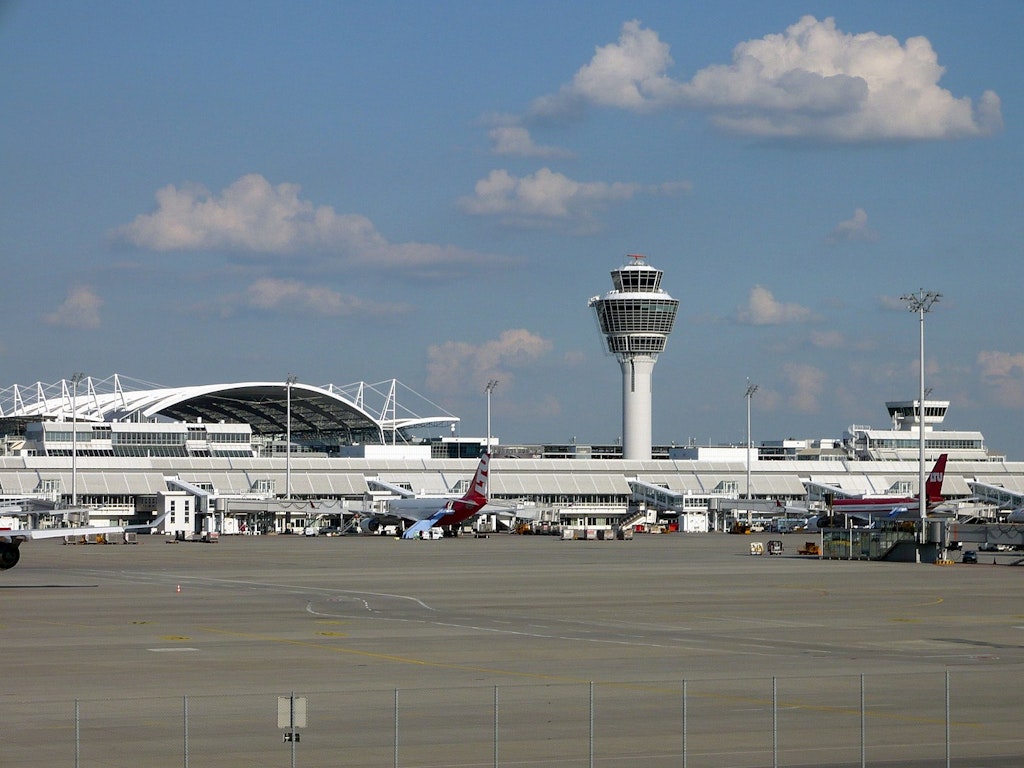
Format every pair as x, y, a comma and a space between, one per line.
969, 556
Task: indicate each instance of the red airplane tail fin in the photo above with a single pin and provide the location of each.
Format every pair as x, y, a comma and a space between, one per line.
933, 485
478, 489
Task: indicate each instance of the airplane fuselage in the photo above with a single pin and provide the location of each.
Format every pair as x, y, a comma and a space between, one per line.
881, 505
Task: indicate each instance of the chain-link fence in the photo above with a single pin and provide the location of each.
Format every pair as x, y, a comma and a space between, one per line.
950, 718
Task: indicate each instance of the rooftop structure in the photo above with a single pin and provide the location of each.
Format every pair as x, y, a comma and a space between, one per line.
902, 441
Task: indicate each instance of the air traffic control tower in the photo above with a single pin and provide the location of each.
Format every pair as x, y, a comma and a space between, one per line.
636, 318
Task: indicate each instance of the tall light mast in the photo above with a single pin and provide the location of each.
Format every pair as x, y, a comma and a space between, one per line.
488, 389
75, 378
289, 382
751, 389
636, 317
921, 303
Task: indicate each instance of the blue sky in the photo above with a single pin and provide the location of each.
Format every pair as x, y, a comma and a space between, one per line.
211, 192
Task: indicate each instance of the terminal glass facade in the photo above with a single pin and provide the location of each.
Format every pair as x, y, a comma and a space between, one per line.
141, 439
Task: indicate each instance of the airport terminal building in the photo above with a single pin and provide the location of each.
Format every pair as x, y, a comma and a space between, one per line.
278, 456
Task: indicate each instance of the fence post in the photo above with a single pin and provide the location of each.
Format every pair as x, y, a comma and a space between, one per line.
775, 724
495, 726
184, 717
863, 726
396, 728
684, 724
948, 724
78, 734
291, 706
591, 724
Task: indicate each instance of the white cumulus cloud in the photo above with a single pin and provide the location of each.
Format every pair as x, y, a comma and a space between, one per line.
80, 309
516, 140
277, 294
854, 229
811, 81
816, 81
548, 197
253, 216
458, 366
806, 385
628, 74
891, 303
828, 340
1003, 373
762, 308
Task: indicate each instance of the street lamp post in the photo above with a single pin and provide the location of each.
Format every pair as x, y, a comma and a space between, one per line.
921, 303
289, 382
751, 389
75, 378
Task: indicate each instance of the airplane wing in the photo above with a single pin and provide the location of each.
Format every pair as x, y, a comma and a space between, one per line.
12, 536
397, 490
10, 540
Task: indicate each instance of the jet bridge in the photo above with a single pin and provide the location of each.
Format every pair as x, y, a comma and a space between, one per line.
692, 512
376, 484
202, 495
1010, 535
657, 497
997, 495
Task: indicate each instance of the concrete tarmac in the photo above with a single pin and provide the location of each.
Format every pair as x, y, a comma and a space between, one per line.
512, 650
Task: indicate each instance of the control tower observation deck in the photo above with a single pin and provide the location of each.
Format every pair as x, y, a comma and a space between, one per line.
636, 318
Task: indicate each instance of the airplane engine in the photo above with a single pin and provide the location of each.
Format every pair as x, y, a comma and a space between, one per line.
9, 555
369, 525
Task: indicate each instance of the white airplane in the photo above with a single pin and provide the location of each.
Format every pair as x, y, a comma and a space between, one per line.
11, 539
426, 513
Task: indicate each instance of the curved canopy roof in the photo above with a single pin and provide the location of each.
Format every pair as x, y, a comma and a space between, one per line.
264, 405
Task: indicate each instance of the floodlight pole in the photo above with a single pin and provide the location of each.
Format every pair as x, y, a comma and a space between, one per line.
921, 303
75, 378
488, 389
288, 437
751, 389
